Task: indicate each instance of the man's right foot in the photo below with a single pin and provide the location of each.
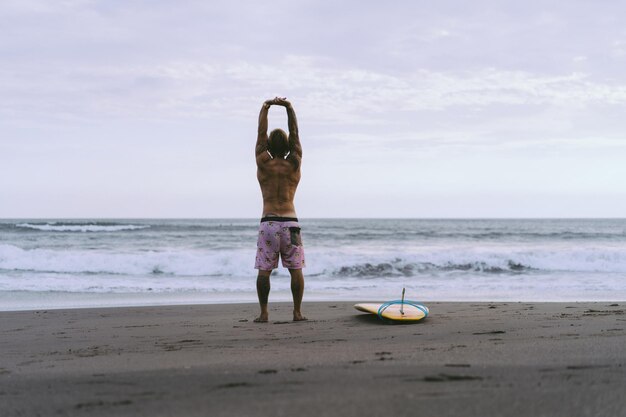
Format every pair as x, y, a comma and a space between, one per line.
297, 316
262, 318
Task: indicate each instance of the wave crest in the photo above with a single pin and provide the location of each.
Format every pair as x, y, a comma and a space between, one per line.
81, 227
328, 263
398, 268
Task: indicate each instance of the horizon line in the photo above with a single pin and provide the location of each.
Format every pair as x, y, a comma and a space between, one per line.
315, 218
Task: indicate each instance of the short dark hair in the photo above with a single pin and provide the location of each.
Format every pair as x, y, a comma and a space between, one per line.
278, 143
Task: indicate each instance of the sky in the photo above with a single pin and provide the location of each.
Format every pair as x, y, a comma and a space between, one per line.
126, 109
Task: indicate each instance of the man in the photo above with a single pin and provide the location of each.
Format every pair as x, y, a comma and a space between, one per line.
278, 160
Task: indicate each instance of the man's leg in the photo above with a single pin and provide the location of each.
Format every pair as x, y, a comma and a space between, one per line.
263, 291
297, 290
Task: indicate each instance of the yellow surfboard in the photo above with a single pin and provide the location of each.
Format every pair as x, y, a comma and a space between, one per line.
398, 310
409, 312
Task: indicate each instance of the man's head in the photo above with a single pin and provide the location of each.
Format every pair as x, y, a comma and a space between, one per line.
278, 143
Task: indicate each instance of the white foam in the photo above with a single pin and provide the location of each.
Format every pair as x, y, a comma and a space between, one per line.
56, 227
474, 258
102, 291
167, 262
452, 272
329, 263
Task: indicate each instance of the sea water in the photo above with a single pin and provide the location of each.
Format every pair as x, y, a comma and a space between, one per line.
79, 263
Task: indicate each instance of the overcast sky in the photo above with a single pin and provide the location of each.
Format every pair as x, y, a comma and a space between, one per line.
406, 108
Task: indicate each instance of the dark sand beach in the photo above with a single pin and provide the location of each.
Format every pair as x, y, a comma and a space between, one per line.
469, 359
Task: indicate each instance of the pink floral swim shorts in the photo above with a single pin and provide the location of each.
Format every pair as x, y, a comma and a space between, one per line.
279, 235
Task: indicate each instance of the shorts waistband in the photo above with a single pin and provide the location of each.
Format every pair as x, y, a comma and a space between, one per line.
279, 219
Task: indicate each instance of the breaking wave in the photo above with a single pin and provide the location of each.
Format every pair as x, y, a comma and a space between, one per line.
409, 269
81, 227
325, 263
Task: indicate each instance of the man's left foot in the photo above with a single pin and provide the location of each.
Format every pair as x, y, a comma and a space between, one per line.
262, 318
297, 316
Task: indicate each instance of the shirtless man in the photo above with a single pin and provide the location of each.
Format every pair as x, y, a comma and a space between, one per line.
278, 160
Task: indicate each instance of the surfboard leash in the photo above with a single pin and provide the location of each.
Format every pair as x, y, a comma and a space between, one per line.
415, 304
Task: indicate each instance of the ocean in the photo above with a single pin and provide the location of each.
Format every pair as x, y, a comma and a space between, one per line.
95, 263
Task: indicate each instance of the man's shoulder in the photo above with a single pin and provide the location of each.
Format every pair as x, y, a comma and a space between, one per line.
295, 161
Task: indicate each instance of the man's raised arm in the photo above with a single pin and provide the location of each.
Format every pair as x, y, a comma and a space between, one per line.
294, 138
261, 140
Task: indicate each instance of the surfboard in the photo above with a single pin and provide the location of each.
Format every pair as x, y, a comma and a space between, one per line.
410, 312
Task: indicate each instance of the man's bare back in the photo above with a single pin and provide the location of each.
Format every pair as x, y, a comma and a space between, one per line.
278, 159
278, 179
278, 175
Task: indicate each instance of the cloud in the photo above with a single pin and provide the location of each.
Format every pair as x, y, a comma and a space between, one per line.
88, 60
326, 92
434, 91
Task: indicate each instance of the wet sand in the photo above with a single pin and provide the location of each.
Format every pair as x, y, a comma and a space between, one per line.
466, 359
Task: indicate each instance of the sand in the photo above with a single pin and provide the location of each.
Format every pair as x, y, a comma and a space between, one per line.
466, 359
